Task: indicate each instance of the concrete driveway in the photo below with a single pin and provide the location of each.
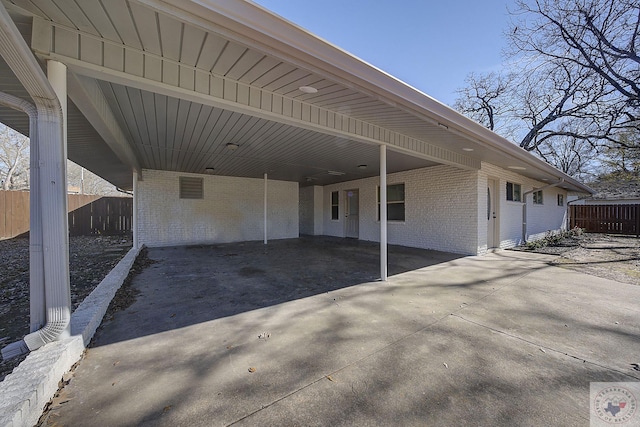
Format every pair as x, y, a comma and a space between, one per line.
299, 333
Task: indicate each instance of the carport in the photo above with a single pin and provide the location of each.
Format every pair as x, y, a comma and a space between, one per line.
222, 89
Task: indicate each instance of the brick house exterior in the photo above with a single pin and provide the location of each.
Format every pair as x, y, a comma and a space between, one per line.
445, 209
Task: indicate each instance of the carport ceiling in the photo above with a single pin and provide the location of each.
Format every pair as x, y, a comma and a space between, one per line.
85, 145
185, 78
174, 134
178, 135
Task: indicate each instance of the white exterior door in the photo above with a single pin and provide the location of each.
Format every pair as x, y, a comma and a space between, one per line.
492, 214
352, 222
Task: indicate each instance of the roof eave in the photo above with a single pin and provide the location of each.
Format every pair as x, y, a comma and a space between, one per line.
250, 24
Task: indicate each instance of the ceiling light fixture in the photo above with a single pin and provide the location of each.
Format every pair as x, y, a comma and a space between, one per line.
308, 89
209, 170
335, 173
231, 146
442, 125
362, 167
467, 149
517, 168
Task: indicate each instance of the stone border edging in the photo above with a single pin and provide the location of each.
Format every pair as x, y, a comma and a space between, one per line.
26, 391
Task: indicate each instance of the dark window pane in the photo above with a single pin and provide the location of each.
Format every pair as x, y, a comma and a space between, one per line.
509, 191
513, 192
395, 212
334, 197
334, 212
395, 193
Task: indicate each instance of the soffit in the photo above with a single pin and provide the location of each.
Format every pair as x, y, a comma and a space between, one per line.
183, 136
204, 45
84, 145
139, 27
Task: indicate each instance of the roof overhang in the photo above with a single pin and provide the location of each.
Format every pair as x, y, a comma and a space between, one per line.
169, 85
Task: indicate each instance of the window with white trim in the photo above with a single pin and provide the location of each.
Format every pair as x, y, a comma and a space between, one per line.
335, 204
514, 192
395, 202
537, 197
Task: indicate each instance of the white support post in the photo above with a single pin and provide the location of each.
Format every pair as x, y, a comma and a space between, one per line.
134, 222
53, 196
383, 213
265, 208
57, 75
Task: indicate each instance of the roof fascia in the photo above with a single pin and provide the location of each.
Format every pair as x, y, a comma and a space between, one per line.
222, 92
254, 26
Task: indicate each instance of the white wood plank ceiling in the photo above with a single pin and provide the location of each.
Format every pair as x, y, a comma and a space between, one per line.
109, 40
178, 135
83, 141
173, 134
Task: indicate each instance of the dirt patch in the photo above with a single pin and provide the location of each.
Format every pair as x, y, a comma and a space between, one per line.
91, 258
614, 257
126, 294
608, 256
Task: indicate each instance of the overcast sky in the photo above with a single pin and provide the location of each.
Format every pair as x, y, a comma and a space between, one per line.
431, 45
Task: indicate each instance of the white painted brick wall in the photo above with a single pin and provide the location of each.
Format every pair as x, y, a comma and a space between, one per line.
306, 210
540, 218
232, 210
311, 210
441, 209
318, 210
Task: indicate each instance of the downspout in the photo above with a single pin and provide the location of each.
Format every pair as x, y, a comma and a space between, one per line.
52, 182
524, 205
37, 315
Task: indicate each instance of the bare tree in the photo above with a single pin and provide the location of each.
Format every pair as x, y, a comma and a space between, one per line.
559, 100
574, 80
483, 98
573, 156
540, 101
86, 182
623, 160
601, 37
14, 159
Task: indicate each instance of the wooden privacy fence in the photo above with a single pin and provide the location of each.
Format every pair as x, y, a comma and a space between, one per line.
107, 215
88, 214
614, 219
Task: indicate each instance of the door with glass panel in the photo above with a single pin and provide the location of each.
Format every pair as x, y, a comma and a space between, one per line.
352, 212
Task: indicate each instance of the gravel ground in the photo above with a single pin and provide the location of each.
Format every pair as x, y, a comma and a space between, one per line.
91, 258
603, 255
609, 256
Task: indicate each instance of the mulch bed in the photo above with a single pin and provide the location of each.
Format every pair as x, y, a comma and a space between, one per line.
91, 258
